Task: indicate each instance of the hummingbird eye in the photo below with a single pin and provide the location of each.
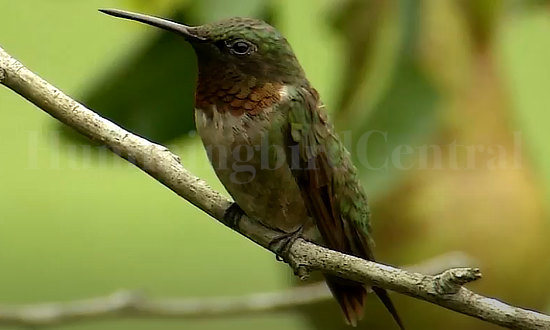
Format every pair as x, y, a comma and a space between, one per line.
241, 47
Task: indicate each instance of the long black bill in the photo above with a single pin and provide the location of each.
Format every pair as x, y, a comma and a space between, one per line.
187, 31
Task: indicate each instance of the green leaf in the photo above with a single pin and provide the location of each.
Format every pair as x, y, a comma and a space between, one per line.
404, 120
319, 48
525, 49
399, 112
375, 35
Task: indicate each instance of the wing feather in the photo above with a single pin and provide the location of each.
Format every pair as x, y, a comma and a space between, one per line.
333, 196
327, 178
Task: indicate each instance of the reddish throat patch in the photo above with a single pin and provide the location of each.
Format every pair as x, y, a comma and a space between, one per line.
237, 98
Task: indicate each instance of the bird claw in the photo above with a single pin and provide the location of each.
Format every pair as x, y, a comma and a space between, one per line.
281, 245
233, 216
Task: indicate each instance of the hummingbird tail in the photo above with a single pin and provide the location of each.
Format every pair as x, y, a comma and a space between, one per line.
351, 297
385, 298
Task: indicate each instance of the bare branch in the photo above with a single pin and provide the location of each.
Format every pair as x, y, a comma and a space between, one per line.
132, 304
444, 290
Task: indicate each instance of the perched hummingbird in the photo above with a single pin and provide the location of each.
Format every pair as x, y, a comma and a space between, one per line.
271, 145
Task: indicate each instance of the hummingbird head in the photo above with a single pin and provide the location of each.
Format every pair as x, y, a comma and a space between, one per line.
245, 64
243, 47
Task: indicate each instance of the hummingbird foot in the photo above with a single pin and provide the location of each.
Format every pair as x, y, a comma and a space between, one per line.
233, 216
281, 245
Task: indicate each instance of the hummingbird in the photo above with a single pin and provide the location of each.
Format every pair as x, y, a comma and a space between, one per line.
269, 140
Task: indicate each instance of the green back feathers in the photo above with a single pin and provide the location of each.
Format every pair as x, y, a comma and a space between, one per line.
327, 177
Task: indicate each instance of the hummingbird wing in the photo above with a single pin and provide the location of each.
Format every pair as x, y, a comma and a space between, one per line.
333, 195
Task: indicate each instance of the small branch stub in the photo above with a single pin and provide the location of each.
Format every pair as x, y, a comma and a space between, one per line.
450, 281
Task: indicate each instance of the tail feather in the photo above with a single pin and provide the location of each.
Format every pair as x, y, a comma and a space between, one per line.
351, 298
385, 298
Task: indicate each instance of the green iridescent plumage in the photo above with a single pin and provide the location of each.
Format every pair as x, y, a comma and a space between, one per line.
329, 166
272, 58
333, 195
272, 146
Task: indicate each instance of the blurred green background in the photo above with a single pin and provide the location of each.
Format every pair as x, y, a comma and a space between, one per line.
76, 222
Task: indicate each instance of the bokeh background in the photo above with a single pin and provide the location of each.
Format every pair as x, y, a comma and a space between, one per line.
468, 78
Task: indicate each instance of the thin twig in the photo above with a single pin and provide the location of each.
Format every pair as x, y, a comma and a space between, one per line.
444, 290
134, 304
